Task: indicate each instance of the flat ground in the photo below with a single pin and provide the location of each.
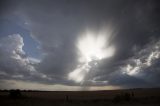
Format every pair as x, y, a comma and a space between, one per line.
131, 97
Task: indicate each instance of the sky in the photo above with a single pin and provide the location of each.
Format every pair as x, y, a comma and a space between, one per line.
79, 44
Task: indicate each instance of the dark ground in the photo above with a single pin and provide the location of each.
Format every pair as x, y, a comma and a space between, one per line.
131, 97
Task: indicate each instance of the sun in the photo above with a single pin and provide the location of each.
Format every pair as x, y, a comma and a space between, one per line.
94, 47
91, 47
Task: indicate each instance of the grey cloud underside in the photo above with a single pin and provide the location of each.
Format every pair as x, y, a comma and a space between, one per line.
16, 65
56, 24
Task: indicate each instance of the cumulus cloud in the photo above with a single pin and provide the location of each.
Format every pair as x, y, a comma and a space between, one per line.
13, 58
14, 63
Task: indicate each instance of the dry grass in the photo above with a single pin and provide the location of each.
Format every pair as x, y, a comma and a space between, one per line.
141, 97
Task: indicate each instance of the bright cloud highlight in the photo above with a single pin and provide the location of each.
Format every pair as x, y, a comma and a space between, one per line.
92, 48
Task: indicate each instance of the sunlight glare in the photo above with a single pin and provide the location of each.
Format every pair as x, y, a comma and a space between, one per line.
92, 47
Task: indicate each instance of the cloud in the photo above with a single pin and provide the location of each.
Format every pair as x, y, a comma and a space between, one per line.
13, 58
92, 49
140, 70
17, 84
143, 59
56, 25
14, 63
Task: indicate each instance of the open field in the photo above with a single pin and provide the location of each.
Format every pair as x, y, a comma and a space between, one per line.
132, 97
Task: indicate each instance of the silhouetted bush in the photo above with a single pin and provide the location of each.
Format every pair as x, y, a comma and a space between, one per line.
122, 97
127, 97
15, 93
117, 99
67, 98
132, 94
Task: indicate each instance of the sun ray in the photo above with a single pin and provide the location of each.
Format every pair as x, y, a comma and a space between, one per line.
91, 48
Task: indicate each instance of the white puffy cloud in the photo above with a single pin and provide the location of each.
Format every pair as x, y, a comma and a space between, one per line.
13, 58
14, 63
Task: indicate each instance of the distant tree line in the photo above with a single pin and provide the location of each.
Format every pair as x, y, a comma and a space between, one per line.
15, 93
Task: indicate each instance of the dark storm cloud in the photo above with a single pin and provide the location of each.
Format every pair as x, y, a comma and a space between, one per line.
14, 63
56, 24
140, 70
